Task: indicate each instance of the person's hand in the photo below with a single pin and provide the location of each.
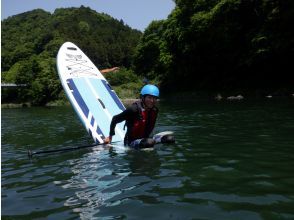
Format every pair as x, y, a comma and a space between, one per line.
108, 140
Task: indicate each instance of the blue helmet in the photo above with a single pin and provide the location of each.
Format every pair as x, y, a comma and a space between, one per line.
150, 90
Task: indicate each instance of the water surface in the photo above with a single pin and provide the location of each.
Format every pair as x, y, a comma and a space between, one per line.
231, 160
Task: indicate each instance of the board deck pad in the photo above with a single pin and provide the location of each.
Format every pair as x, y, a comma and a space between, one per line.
90, 94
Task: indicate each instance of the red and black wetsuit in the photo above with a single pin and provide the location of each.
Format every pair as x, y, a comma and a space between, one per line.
139, 121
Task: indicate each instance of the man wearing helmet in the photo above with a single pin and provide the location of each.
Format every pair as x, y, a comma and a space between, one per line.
140, 119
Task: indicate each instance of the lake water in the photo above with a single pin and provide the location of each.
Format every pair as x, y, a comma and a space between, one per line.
231, 160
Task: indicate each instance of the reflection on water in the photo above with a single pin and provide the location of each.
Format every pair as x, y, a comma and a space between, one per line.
230, 161
94, 175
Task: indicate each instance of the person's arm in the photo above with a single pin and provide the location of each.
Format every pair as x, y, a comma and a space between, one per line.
117, 119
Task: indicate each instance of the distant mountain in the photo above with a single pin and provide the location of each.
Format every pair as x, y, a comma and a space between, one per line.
107, 41
30, 42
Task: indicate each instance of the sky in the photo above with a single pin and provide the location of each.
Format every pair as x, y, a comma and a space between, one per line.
135, 13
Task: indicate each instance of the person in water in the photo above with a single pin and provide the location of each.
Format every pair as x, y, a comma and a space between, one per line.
140, 119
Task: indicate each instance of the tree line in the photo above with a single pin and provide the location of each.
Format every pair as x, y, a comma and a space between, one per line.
211, 45
221, 45
31, 40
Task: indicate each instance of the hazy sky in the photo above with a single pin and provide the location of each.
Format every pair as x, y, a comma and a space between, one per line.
135, 13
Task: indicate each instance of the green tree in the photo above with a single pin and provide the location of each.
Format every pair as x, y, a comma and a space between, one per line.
31, 40
221, 44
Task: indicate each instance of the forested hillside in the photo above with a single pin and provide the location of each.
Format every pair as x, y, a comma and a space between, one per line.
30, 42
203, 45
245, 45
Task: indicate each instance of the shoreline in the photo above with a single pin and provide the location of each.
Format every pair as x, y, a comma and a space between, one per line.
128, 101
53, 104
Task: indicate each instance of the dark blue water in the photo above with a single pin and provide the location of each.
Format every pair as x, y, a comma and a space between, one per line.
231, 160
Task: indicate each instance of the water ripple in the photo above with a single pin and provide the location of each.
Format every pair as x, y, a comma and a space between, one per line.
230, 161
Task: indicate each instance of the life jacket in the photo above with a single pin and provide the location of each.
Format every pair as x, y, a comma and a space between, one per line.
142, 124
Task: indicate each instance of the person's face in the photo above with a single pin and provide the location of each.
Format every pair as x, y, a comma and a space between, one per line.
150, 101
